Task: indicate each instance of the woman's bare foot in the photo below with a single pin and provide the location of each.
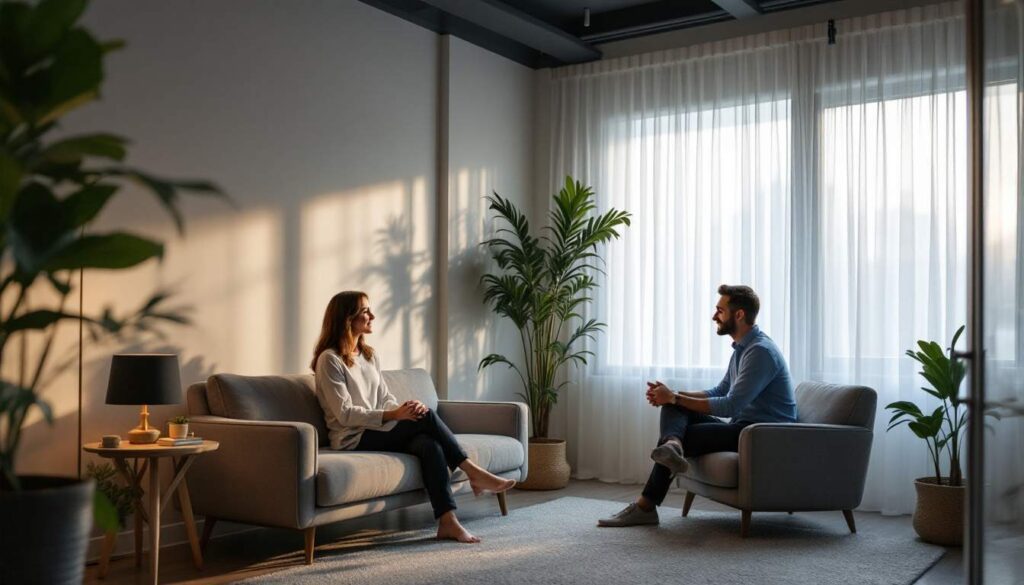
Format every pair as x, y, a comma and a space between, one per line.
483, 481
490, 484
449, 528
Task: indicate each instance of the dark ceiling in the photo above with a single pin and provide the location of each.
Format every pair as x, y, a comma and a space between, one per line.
549, 33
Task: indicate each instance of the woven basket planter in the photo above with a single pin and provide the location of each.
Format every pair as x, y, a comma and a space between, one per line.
548, 469
939, 515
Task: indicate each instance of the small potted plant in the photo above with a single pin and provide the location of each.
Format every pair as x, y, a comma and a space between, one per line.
178, 427
938, 516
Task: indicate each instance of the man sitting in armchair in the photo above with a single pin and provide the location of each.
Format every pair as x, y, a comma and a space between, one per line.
756, 388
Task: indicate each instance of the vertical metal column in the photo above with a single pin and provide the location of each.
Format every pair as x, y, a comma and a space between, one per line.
440, 352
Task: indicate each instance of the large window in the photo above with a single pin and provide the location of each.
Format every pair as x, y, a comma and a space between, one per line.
893, 193
711, 186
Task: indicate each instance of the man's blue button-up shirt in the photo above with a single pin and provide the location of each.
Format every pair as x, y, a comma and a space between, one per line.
757, 386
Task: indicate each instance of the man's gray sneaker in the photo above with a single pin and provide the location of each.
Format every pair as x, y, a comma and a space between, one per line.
670, 454
632, 515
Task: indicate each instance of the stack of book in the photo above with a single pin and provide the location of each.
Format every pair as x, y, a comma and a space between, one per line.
169, 442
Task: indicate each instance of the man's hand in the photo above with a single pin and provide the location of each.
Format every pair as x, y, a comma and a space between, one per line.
658, 394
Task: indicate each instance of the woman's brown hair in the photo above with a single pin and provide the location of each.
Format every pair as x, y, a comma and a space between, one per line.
336, 332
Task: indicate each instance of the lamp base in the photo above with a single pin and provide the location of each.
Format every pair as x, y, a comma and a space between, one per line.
143, 436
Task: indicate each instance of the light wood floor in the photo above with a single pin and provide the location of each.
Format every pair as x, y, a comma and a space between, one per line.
241, 555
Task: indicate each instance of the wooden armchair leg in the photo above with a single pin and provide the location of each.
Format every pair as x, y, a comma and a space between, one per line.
848, 514
310, 534
745, 524
208, 523
503, 503
687, 502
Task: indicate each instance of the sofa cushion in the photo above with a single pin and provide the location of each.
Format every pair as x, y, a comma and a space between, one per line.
495, 453
717, 469
834, 404
278, 398
344, 477
414, 384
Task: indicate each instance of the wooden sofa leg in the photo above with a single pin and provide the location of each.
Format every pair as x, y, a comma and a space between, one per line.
310, 534
503, 503
208, 523
848, 514
687, 502
745, 524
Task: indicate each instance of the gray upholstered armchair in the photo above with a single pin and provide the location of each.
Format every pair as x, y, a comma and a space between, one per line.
275, 468
818, 463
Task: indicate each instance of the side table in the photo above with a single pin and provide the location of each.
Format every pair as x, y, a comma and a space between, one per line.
146, 459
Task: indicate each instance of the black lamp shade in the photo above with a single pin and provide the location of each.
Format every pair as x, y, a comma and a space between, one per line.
144, 378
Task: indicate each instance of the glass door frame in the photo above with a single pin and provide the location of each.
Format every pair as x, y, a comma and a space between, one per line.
975, 353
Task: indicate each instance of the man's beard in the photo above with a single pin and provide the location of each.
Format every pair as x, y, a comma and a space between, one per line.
727, 327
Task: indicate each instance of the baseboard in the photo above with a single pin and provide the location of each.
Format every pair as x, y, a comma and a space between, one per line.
171, 534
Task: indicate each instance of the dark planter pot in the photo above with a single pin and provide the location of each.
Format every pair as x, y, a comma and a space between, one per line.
44, 530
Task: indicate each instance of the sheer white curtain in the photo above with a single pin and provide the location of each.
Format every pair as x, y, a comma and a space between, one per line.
829, 178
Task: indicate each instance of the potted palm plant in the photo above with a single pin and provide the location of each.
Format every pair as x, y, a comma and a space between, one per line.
938, 516
542, 284
51, 191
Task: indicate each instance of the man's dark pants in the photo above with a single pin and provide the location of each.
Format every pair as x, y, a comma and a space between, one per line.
700, 433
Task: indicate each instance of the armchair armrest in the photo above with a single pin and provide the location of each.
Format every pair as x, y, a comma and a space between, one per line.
510, 419
263, 473
798, 466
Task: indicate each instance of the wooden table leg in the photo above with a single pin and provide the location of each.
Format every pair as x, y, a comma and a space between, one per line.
187, 517
138, 535
154, 518
133, 477
109, 540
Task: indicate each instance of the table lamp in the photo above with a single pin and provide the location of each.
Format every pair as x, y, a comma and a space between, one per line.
144, 378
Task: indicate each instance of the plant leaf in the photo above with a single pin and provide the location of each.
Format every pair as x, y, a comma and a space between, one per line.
104, 512
73, 150
112, 251
39, 319
83, 205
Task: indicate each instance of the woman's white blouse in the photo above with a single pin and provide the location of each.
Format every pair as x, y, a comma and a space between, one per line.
354, 399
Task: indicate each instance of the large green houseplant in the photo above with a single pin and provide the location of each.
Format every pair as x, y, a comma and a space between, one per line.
542, 284
938, 517
52, 188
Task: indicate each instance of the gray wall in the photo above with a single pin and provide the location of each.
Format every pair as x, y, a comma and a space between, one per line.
491, 132
320, 119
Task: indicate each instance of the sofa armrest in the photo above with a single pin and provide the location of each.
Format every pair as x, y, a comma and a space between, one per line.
511, 419
263, 473
797, 466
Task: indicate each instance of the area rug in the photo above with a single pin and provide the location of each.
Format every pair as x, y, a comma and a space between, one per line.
558, 542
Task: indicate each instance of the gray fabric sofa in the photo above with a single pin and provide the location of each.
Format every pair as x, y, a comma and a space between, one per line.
275, 467
818, 463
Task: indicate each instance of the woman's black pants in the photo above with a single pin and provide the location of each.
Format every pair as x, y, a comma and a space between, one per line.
433, 443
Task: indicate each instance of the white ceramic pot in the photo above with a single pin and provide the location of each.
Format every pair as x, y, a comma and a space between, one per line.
177, 431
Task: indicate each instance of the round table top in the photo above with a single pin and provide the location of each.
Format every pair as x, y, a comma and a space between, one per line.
126, 449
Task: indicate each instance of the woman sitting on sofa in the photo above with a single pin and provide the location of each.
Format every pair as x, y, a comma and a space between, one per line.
362, 415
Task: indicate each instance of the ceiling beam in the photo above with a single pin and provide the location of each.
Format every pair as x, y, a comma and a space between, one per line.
521, 27
739, 9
